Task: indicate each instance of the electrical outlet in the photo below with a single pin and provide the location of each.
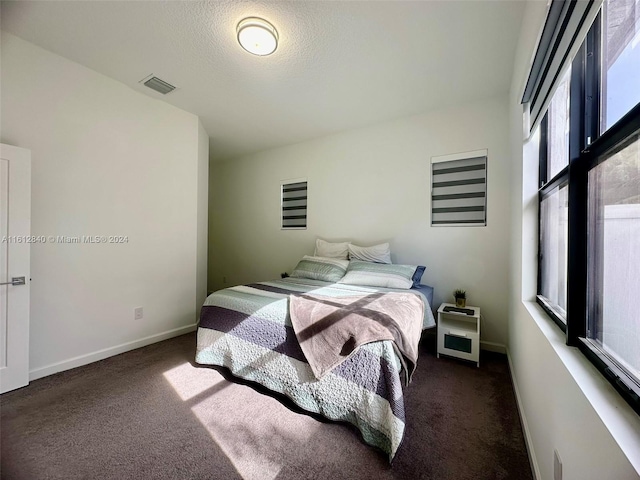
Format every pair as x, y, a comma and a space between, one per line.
557, 466
137, 313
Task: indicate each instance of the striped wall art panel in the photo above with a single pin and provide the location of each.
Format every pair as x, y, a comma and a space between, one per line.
294, 205
459, 189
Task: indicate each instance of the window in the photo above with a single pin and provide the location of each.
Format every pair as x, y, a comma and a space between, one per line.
614, 257
459, 189
589, 198
620, 59
294, 205
558, 129
554, 246
554, 212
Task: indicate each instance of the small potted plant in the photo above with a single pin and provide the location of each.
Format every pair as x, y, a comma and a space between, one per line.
461, 298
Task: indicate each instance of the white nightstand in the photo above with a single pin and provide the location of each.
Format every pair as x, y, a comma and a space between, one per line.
459, 333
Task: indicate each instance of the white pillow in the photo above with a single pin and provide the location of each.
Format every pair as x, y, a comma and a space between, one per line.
332, 250
378, 253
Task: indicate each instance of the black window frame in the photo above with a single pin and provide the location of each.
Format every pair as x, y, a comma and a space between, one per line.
559, 181
547, 186
588, 147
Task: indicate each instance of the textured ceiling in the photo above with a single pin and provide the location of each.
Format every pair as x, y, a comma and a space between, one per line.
339, 65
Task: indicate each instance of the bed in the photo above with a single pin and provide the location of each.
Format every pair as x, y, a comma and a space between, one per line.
248, 330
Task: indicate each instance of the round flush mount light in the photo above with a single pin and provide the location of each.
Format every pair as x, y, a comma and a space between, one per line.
257, 36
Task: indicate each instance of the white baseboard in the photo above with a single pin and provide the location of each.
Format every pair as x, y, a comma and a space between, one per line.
493, 347
107, 352
535, 470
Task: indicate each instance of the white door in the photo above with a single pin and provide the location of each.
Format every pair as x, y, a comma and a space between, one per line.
15, 243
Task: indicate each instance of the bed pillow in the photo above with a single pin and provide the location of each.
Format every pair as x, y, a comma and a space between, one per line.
320, 268
379, 275
331, 249
417, 275
378, 253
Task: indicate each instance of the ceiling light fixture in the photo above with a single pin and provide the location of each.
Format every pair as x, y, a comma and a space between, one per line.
257, 36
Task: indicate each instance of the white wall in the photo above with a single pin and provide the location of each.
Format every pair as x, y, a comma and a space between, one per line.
566, 404
106, 160
372, 185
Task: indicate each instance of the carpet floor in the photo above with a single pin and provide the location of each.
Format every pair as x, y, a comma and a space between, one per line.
153, 414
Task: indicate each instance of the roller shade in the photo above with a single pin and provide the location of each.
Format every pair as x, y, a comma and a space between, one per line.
459, 189
294, 205
564, 30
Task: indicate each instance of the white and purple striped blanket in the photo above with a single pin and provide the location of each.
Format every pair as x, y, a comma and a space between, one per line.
248, 330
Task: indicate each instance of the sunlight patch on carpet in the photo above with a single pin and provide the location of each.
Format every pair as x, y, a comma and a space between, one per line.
256, 432
189, 381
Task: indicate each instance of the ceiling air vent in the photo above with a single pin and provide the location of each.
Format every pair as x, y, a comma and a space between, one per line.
159, 85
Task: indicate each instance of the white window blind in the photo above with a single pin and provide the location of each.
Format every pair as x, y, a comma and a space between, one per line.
459, 189
294, 205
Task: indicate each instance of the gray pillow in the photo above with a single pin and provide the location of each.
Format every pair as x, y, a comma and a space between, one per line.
320, 268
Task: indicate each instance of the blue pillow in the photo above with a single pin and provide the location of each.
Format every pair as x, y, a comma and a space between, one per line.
417, 275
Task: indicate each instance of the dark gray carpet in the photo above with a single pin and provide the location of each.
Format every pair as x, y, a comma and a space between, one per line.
152, 414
